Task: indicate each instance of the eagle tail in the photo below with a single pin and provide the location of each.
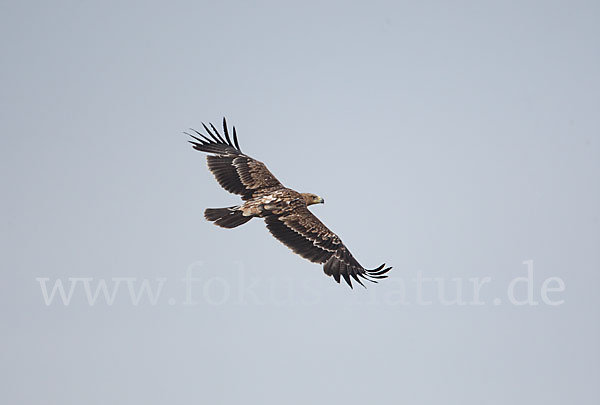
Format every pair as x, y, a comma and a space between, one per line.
228, 217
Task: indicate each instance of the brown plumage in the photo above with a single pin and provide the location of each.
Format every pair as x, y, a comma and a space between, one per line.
284, 210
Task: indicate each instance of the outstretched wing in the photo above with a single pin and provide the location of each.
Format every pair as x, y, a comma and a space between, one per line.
297, 228
235, 171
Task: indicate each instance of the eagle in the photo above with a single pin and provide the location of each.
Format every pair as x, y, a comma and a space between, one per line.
285, 211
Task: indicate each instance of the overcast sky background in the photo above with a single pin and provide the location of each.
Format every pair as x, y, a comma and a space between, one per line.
454, 140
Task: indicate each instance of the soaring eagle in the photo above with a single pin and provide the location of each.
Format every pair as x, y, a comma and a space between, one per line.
284, 210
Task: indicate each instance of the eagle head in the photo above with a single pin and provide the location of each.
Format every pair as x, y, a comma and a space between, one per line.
311, 199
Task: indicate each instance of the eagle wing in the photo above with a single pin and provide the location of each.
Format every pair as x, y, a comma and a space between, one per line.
235, 171
297, 228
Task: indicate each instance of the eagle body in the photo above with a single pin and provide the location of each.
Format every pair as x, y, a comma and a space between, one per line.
284, 210
274, 202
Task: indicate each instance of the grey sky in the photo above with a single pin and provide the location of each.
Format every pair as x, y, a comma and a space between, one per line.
451, 140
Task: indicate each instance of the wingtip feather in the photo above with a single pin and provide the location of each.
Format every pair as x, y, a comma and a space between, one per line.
235, 139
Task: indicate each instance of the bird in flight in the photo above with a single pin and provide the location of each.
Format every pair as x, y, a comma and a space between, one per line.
284, 210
